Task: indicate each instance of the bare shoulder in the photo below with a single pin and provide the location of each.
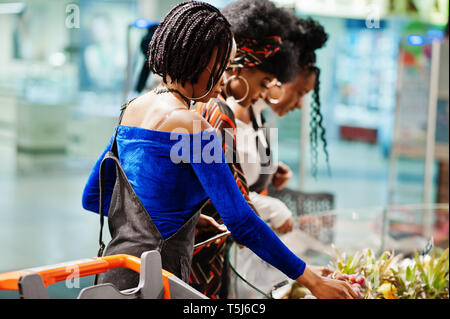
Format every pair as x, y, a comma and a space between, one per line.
147, 112
186, 121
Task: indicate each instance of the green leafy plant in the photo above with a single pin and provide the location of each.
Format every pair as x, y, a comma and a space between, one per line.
392, 277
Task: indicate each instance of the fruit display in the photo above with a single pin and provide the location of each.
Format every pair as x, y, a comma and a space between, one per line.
299, 292
388, 276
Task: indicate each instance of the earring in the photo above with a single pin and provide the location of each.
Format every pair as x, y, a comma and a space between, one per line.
237, 77
276, 101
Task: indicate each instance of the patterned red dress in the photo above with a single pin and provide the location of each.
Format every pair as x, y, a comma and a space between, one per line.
209, 271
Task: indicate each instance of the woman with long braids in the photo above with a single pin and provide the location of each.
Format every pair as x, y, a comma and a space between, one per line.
152, 194
308, 36
262, 56
151, 203
252, 141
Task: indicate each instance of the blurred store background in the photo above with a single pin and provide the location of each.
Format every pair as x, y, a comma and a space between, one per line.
67, 66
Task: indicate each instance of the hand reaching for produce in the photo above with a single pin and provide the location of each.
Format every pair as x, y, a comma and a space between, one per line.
326, 288
282, 176
381, 277
358, 283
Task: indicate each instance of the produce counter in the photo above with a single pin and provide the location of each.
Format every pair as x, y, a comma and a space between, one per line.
392, 252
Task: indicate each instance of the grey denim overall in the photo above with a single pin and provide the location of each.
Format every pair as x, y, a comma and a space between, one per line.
133, 231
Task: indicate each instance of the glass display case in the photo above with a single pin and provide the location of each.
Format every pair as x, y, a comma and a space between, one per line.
402, 230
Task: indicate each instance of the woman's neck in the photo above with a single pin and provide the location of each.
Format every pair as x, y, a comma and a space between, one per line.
177, 96
259, 106
241, 113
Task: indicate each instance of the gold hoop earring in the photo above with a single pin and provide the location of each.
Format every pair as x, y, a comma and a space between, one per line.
207, 92
201, 97
276, 101
237, 77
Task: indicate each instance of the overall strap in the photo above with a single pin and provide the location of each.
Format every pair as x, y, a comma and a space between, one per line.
257, 127
122, 111
108, 155
111, 154
101, 206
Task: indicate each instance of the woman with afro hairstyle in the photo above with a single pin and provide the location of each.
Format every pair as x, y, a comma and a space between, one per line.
308, 36
263, 55
252, 142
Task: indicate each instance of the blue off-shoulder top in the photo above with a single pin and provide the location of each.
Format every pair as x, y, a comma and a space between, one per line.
173, 174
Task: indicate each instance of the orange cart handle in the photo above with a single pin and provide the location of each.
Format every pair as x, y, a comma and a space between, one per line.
80, 268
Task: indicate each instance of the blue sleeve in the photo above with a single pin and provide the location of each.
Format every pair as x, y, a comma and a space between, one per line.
245, 226
91, 192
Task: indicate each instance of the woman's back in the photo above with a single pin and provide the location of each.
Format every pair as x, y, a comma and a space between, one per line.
163, 112
153, 139
172, 185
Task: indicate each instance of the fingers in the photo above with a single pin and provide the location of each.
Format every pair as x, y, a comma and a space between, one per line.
289, 174
291, 224
282, 167
282, 230
350, 291
325, 271
286, 227
212, 224
203, 220
212, 221
217, 242
281, 180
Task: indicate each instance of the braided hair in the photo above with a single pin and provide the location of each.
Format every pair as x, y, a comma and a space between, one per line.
310, 36
184, 42
145, 71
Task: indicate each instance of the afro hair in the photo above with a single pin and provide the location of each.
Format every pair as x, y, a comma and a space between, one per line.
308, 36
257, 19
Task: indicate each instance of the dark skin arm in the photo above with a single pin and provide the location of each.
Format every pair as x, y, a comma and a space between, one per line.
326, 288
185, 121
207, 224
282, 176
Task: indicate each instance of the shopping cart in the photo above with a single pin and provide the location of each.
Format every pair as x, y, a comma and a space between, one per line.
154, 282
307, 209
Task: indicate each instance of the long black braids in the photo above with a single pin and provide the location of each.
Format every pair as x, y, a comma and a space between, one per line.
184, 42
316, 125
310, 36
